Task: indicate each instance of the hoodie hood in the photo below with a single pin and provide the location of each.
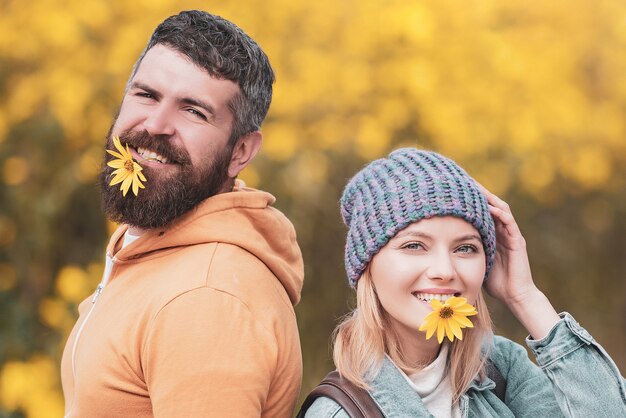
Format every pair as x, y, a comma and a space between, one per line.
244, 217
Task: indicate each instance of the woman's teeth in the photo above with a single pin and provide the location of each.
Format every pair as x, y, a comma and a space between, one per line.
427, 297
151, 155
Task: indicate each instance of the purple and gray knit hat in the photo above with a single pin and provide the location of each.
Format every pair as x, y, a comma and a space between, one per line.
391, 193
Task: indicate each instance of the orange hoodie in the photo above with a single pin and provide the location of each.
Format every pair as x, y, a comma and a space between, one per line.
195, 319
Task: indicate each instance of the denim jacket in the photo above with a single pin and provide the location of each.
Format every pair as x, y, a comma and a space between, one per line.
575, 378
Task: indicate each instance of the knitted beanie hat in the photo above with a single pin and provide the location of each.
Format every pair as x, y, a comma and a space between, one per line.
391, 193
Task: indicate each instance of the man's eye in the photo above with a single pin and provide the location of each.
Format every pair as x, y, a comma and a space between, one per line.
144, 95
196, 113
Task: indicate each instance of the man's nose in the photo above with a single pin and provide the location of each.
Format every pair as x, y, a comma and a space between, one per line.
160, 121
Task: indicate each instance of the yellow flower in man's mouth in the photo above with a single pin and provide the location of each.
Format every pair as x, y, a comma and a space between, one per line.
128, 171
448, 318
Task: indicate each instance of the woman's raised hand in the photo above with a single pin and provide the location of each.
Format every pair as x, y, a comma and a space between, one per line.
510, 279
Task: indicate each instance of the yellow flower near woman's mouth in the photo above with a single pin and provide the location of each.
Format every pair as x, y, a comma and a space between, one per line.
448, 318
128, 172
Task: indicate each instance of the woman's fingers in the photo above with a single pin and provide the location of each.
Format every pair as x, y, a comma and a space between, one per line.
494, 200
501, 212
505, 219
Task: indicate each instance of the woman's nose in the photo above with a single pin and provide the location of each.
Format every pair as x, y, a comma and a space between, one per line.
441, 267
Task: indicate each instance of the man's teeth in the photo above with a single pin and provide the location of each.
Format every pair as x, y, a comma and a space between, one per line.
427, 297
151, 155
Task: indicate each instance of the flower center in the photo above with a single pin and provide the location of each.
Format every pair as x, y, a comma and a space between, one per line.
445, 312
128, 165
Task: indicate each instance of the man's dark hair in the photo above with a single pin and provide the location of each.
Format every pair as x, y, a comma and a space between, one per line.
225, 52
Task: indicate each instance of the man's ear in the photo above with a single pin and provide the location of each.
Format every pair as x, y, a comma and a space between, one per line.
244, 152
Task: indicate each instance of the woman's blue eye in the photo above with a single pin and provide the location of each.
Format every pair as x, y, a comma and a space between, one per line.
413, 246
466, 249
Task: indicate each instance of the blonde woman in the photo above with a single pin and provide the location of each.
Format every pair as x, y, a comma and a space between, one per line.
424, 239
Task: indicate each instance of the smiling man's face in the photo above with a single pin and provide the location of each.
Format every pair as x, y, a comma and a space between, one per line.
177, 123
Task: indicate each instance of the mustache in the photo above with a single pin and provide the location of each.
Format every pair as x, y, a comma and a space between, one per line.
159, 144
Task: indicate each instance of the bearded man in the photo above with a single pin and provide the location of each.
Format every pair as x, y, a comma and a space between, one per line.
194, 315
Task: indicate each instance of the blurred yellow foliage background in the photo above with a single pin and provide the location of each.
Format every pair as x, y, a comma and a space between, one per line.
529, 97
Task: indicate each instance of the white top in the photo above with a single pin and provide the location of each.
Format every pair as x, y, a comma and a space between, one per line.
433, 385
129, 239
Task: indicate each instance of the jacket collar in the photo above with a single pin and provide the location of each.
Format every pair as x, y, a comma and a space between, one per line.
395, 397
485, 384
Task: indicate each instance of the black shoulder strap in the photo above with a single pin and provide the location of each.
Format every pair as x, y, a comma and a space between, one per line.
354, 400
494, 374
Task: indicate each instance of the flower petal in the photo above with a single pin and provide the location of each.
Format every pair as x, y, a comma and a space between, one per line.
449, 334
116, 163
118, 145
120, 170
436, 304
429, 320
456, 329
126, 185
430, 315
118, 179
440, 332
465, 312
116, 154
429, 324
430, 332
456, 301
462, 320
118, 175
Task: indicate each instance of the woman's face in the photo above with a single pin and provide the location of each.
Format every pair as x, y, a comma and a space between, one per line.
439, 258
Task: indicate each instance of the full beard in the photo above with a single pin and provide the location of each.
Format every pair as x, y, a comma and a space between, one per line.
167, 196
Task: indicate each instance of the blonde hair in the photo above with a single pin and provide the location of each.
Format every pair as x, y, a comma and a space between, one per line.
365, 335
